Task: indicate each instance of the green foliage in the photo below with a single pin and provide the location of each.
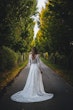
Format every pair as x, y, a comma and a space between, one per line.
8, 58
46, 56
16, 31
20, 46
14, 22
56, 31
59, 59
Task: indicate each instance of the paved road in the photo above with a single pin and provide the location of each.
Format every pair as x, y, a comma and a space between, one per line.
53, 83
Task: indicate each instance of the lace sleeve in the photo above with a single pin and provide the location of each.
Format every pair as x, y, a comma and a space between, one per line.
39, 62
29, 60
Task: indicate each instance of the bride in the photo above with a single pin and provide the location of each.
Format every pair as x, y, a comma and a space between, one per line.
34, 89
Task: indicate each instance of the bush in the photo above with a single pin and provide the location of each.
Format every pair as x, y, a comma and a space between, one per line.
46, 55
59, 59
8, 58
19, 58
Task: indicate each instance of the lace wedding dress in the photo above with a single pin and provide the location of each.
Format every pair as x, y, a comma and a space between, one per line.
34, 89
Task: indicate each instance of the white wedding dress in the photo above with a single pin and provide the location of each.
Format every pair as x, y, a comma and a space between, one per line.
34, 89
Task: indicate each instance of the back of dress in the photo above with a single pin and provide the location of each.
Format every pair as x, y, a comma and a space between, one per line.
36, 60
33, 90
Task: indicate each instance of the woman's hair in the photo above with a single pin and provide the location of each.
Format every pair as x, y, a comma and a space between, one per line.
34, 52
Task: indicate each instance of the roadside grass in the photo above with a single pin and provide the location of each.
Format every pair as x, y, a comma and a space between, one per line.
10, 75
65, 74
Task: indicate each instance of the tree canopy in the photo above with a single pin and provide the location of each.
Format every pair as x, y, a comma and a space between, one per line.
56, 28
56, 25
15, 23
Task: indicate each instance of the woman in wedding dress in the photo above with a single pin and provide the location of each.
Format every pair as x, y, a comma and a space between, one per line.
34, 89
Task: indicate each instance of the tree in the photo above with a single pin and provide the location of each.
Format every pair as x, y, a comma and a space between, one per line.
14, 21
57, 27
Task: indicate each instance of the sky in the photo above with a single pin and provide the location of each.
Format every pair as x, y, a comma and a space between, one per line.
40, 5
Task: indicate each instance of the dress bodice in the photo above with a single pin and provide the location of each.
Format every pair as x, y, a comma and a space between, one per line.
35, 60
